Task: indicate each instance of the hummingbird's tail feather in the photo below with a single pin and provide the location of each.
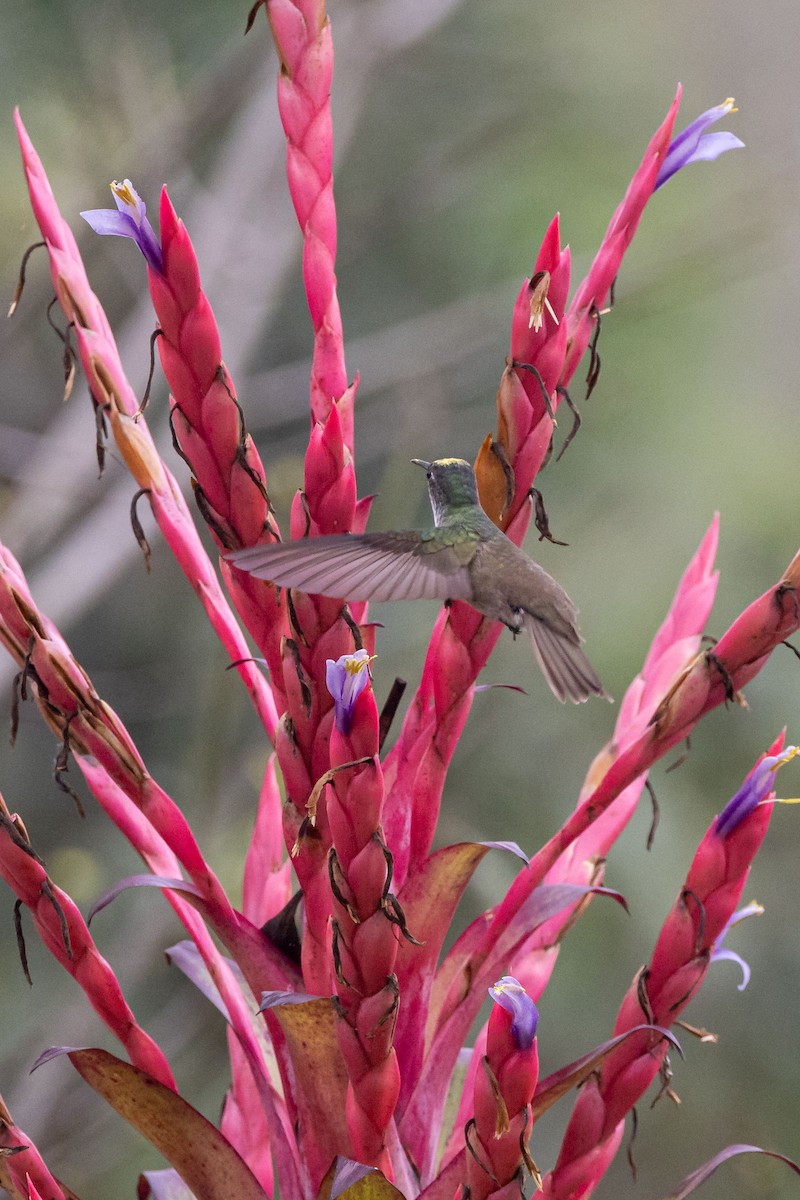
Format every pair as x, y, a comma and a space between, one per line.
564, 665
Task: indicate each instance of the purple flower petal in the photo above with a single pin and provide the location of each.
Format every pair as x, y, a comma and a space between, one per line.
721, 953
129, 221
346, 678
731, 956
753, 791
347, 1173
509, 993
695, 145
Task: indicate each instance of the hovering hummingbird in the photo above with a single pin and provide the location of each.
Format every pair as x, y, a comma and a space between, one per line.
463, 557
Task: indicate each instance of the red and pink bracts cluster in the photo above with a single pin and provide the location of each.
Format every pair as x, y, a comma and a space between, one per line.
349, 1053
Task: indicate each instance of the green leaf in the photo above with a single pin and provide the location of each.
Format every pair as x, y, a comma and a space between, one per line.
320, 1085
203, 1158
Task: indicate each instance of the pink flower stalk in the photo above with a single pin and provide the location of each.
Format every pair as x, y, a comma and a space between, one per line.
23, 1172
677, 640
208, 425
231, 492
364, 924
65, 934
551, 342
328, 503
504, 1084
302, 34
593, 294
712, 677
152, 822
244, 1122
81, 720
661, 991
116, 775
112, 393
302, 745
419, 761
340, 1073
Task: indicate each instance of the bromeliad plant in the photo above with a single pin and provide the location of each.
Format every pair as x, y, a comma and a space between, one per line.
346, 1042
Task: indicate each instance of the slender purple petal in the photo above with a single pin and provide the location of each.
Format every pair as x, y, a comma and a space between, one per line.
511, 847
720, 952
693, 1181
131, 881
347, 1173
167, 1185
695, 145
753, 791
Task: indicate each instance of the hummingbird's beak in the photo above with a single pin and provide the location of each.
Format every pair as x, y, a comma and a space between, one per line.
420, 462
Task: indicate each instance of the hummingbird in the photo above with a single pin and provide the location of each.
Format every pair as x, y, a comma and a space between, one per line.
464, 556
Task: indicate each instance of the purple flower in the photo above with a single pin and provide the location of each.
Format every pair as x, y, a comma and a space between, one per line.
694, 145
721, 952
509, 993
753, 791
346, 679
130, 221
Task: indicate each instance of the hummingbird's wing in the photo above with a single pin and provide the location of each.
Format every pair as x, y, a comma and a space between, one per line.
564, 665
366, 566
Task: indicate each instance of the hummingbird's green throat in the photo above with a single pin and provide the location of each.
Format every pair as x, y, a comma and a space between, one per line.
463, 556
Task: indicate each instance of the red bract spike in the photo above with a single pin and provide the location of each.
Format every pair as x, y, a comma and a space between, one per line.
112, 392
209, 428
436, 716
303, 39
476, 951
22, 1169
677, 969
365, 939
65, 934
503, 1084
593, 293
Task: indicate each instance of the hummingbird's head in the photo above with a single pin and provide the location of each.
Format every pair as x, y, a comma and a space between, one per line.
451, 484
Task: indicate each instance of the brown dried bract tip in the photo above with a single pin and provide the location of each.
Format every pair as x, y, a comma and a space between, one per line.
540, 518
534, 371
12, 308
389, 710
154, 336
138, 528
253, 13
576, 420
593, 373
322, 783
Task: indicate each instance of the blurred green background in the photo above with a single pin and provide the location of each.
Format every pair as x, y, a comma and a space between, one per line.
461, 128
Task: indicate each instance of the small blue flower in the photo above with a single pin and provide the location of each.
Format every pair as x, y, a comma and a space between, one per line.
130, 220
756, 787
346, 679
509, 993
721, 952
694, 145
